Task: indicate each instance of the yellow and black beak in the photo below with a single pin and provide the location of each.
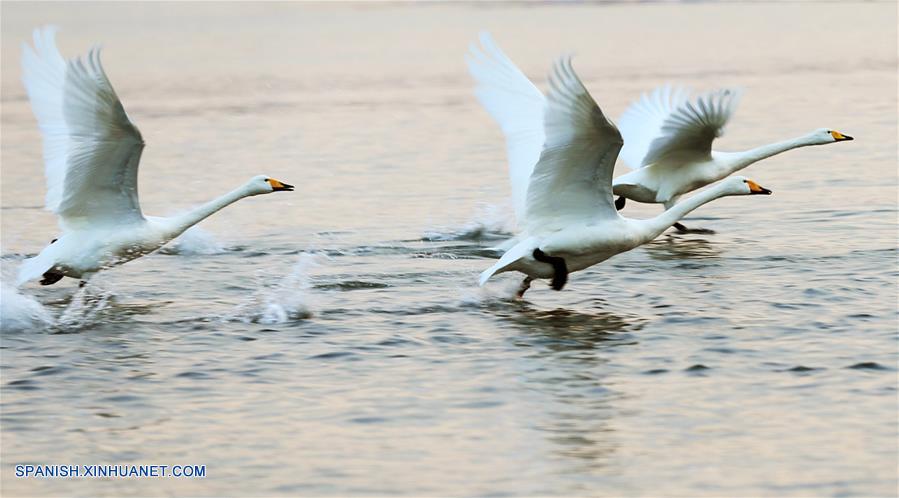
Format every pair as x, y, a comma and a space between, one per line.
839, 137
756, 189
279, 186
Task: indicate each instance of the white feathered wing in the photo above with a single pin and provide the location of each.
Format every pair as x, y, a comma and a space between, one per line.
91, 149
572, 182
667, 124
516, 105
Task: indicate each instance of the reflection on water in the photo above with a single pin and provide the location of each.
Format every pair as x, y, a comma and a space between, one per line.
560, 328
675, 247
570, 348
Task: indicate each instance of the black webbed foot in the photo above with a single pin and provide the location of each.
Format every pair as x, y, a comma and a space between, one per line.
51, 277
560, 269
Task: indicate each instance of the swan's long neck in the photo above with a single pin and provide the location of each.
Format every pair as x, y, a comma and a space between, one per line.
182, 222
735, 161
674, 214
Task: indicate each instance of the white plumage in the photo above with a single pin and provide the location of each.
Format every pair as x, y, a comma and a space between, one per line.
91, 155
572, 180
516, 105
570, 221
668, 137
91, 149
666, 123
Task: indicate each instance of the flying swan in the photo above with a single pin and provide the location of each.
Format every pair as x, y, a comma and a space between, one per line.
565, 211
668, 140
91, 154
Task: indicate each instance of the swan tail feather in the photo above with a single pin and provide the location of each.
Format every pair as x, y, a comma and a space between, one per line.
504, 246
486, 274
520, 250
35, 267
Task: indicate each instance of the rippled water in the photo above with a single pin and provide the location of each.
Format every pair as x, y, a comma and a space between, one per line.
333, 341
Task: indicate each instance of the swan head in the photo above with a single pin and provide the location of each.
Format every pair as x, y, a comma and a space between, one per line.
740, 185
827, 135
264, 184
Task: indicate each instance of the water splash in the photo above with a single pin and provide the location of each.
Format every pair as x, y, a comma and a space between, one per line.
500, 290
20, 312
85, 308
286, 301
490, 222
195, 241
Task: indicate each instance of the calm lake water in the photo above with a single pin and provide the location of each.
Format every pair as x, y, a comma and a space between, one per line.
333, 341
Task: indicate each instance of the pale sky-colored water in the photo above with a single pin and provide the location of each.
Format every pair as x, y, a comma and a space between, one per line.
406, 379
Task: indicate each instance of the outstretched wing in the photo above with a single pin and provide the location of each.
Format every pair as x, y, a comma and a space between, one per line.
516, 105
668, 124
91, 149
572, 182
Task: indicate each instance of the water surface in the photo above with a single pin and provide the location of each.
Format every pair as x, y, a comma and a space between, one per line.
332, 341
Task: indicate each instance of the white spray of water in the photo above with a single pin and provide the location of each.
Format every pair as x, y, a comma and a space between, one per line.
285, 301
20, 312
489, 222
194, 241
86, 305
502, 290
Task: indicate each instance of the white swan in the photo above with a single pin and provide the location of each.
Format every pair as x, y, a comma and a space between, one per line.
91, 153
668, 139
568, 217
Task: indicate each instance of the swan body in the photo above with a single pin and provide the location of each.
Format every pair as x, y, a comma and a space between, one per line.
668, 140
91, 154
585, 244
568, 218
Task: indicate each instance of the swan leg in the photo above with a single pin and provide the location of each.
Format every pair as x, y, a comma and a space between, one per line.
525, 285
84, 278
51, 277
677, 225
619, 202
560, 269
680, 227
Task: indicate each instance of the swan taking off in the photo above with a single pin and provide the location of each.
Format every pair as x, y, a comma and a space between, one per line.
91, 154
565, 210
668, 140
